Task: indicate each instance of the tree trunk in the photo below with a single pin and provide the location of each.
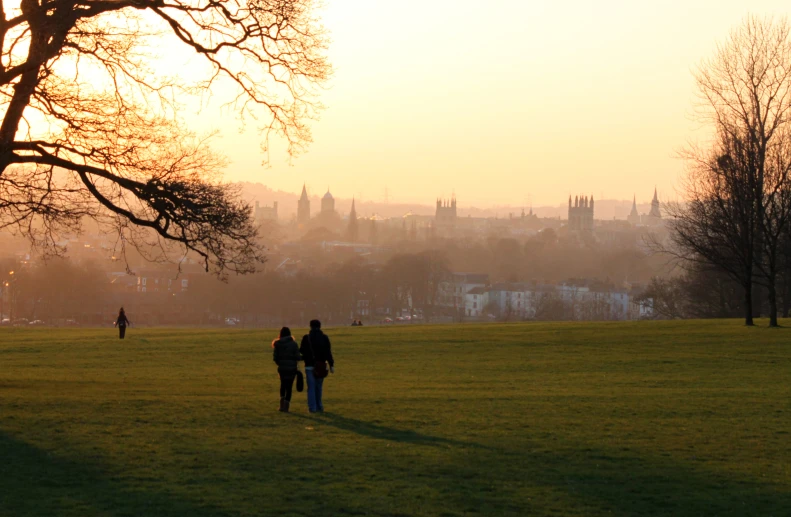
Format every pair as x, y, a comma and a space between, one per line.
758, 300
772, 303
786, 302
748, 305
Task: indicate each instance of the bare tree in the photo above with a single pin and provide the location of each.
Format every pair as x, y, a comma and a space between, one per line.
92, 128
416, 279
718, 222
776, 215
735, 191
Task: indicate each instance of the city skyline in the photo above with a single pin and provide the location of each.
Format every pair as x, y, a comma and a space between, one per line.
607, 209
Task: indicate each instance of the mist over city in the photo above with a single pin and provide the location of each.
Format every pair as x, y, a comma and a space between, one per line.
380, 262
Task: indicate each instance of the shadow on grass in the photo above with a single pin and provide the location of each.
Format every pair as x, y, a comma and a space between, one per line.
594, 482
392, 434
577, 479
631, 485
38, 482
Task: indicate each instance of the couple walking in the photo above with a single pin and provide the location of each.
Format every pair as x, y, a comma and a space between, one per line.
315, 350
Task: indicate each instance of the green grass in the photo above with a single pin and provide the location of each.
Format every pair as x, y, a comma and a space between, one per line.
651, 418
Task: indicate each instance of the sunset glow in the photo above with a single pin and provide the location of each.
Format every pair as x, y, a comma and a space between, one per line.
517, 102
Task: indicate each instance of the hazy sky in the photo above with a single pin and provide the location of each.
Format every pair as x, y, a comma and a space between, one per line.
503, 101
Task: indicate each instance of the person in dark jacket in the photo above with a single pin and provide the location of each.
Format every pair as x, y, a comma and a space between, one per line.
121, 322
316, 352
286, 356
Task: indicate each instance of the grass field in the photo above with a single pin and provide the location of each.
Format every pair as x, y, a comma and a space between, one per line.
651, 418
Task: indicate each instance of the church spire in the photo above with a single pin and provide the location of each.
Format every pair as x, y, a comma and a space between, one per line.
352, 231
303, 206
655, 211
634, 217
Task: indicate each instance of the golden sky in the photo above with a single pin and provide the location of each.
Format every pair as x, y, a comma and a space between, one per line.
504, 102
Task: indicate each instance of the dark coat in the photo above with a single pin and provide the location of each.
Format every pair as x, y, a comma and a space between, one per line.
321, 347
122, 320
285, 353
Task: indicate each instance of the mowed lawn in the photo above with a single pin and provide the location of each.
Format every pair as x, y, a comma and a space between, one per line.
643, 418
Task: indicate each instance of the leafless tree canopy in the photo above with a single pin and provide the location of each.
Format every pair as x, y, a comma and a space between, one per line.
91, 123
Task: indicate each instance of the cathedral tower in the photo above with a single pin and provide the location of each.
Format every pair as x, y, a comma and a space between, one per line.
446, 212
581, 214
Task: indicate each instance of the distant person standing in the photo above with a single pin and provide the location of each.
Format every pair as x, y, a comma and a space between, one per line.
121, 322
286, 357
316, 352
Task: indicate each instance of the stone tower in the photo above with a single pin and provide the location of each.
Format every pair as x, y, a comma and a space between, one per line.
581, 214
446, 212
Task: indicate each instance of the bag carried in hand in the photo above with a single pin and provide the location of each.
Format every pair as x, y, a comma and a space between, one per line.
300, 382
319, 367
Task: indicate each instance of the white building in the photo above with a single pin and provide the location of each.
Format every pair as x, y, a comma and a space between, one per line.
565, 301
510, 300
475, 301
452, 291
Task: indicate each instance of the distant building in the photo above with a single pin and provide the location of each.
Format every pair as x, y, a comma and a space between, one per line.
634, 217
475, 300
581, 214
327, 203
353, 230
528, 217
509, 300
654, 217
265, 213
303, 207
453, 291
446, 212
573, 300
153, 280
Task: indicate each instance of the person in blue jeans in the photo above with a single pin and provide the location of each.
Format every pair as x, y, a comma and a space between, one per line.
316, 351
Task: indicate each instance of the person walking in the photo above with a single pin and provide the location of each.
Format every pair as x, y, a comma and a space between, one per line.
316, 352
121, 322
286, 356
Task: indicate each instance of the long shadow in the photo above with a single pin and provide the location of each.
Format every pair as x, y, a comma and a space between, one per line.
589, 481
36, 482
586, 479
392, 434
632, 485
